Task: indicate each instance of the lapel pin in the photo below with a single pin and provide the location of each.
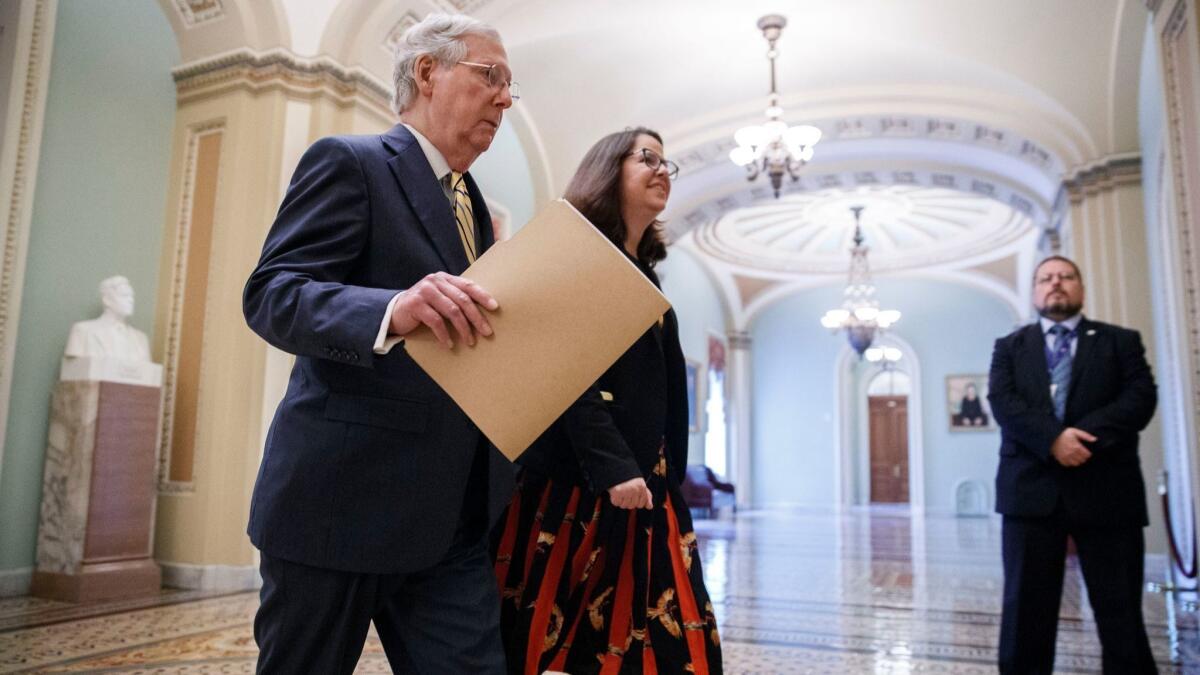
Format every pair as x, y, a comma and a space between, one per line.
1091, 331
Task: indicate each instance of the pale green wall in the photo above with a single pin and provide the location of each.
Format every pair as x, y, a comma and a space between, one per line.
98, 211
698, 306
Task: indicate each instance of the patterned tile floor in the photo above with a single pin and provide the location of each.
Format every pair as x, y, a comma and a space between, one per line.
870, 591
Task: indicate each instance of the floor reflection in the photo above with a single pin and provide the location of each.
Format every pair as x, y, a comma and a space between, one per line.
875, 591
869, 591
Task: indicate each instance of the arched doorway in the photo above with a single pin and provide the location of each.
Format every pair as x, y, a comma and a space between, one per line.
854, 379
887, 436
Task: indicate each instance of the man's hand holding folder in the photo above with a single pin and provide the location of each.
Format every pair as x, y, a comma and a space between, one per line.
569, 304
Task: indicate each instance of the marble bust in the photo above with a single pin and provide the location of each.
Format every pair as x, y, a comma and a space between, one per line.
110, 336
107, 347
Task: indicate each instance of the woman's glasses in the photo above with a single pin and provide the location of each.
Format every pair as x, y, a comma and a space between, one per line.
653, 162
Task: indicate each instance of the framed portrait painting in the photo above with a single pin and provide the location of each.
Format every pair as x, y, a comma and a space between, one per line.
966, 403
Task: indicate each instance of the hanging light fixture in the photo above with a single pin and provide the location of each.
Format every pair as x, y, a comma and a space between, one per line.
774, 148
887, 358
859, 314
888, 355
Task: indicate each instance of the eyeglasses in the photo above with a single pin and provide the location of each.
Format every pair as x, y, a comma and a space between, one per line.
1062, 276
653, 162
497, 76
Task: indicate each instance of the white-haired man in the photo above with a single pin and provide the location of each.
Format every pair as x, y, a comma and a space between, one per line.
376, 491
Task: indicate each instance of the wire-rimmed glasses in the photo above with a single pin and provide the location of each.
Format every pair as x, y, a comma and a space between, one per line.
497, 76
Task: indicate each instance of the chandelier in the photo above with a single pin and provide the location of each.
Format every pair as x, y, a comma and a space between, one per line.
888, 355
859, 314
774, 148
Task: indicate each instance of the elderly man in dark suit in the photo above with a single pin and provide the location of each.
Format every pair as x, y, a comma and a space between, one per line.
376, 491
1071, 395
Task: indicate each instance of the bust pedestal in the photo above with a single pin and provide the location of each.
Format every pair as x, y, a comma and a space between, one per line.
95, 535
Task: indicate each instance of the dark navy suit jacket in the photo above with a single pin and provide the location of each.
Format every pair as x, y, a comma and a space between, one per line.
367, 460
1111, 395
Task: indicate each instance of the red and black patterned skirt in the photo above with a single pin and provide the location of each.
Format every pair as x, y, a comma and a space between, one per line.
587, 587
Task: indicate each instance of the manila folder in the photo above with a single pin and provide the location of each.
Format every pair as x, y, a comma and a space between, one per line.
570, 304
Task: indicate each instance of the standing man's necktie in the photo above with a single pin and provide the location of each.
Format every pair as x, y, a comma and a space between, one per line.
1058, 359
463, 215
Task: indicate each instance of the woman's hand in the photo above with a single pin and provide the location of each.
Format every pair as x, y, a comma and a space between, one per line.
632, 494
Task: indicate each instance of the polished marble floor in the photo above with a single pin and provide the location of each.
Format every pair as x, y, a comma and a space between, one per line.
870, 591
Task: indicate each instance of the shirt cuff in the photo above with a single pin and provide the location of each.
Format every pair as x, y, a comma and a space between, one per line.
383, 341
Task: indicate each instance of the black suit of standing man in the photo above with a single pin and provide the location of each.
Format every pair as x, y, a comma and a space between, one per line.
376, 491
1070, 396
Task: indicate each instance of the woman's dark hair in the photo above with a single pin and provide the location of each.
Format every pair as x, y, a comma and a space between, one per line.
595, 191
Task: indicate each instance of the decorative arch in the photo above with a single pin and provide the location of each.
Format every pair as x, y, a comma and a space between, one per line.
849, 462
204, 28
1035, 128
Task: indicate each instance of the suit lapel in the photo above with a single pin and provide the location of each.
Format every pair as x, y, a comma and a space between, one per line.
1085, 340
416, 180
1033, 360
483, 219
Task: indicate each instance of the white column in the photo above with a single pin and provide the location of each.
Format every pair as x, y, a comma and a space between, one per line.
25, 70
1108, 228
740, 415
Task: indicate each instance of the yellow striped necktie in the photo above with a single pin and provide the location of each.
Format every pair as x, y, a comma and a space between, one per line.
463, 215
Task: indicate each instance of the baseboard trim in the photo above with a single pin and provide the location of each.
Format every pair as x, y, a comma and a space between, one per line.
211, 577
15, 582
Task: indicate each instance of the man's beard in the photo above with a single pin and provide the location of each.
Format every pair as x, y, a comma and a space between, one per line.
1056, 310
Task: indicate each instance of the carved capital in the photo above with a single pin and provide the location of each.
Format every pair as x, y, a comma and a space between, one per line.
1103, 175
740, 339
280, 69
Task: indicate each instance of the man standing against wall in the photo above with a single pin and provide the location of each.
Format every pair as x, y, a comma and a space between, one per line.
376, 491
1071, 395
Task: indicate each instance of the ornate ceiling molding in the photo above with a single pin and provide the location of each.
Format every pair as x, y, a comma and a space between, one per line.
196, 12
755, 194
904, 127
281, 69
1104, 175
908, 227
459, 6
411, 18
393, 36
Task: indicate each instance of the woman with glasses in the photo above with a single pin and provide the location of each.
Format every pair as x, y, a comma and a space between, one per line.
596, 558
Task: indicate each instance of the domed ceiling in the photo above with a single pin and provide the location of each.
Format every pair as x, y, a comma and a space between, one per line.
905, 226
953, 123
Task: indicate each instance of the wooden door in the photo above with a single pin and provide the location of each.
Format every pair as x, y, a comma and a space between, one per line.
889, 449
